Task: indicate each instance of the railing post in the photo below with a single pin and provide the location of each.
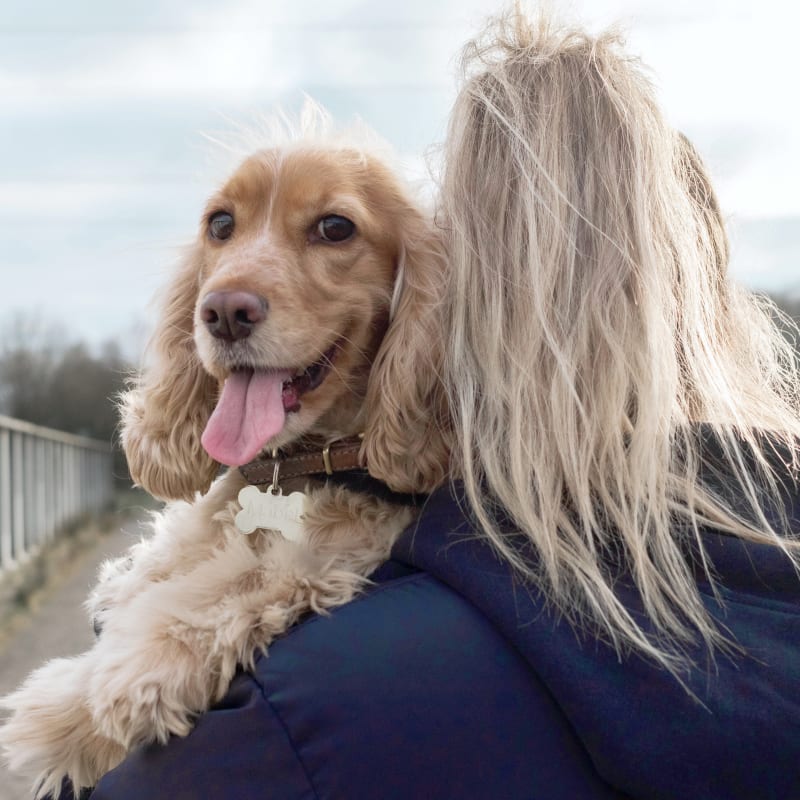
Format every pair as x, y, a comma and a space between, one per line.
6, 550
29, 456
50, 495
18, 501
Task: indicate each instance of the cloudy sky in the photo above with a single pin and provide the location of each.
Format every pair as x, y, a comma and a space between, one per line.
104, 165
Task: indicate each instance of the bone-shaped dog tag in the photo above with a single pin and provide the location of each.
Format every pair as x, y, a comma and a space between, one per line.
273, 511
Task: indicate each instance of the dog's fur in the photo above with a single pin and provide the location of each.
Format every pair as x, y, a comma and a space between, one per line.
197, 598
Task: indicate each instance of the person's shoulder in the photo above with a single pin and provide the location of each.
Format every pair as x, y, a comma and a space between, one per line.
402, 692
407, 691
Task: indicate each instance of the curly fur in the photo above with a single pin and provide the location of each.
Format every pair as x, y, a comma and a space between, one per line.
196, 598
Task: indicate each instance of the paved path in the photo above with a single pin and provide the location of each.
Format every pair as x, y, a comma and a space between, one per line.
58, 626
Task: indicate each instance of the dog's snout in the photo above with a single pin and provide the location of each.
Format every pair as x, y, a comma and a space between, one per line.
232, 315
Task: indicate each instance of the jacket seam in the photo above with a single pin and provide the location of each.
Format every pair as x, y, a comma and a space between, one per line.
415, 577
287, 734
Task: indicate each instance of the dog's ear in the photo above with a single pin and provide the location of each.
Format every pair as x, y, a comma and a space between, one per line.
406, 433
167, 406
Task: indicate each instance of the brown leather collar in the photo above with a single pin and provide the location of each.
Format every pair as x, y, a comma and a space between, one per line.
336, 457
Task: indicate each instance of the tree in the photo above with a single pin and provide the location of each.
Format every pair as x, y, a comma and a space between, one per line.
61, 385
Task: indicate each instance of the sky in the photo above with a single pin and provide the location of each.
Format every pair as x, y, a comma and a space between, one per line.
108, 112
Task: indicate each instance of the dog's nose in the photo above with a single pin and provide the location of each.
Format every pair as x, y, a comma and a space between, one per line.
232, 315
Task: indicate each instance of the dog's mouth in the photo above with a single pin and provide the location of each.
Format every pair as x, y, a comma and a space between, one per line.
253, 405
308, 379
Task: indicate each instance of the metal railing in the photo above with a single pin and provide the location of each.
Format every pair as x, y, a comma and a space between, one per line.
47, 479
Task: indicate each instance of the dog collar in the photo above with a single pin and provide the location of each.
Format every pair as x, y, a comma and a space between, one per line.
339, 462
340, 456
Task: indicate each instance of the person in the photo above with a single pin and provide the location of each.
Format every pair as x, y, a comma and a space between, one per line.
604, 601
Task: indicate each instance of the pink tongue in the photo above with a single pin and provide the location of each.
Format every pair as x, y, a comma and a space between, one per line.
249, 413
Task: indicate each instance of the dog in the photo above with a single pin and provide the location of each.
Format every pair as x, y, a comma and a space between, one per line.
299, 335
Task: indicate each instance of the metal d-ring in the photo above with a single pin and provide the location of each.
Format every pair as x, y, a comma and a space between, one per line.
275, 488
326, 459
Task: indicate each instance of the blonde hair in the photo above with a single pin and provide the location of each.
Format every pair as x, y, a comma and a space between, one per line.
591, 327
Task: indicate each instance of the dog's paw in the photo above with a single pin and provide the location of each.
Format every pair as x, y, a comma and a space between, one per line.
50, 735
141, 715
147, 697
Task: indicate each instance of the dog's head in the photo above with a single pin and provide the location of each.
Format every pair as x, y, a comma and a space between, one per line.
306, 307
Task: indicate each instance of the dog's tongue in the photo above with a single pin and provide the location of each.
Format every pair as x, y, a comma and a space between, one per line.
249, 413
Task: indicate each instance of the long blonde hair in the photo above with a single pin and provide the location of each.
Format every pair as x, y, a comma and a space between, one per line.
591, 326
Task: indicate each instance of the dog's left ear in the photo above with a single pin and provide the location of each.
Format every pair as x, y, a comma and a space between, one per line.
406, 433
167, 407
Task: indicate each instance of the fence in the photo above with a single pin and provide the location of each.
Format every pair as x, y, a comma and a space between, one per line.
47, 479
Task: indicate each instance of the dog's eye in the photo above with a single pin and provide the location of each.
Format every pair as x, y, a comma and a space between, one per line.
220, 225
334, 228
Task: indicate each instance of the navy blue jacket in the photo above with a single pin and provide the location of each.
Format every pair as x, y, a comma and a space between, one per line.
449, 680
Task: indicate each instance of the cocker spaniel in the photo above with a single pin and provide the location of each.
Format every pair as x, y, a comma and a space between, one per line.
303, 317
